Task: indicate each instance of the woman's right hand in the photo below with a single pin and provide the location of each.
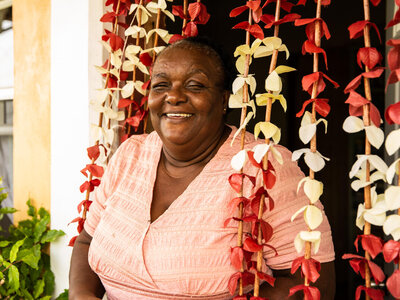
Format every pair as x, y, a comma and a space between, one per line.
84, 284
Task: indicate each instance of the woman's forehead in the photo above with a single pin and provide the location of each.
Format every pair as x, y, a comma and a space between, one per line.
189, 59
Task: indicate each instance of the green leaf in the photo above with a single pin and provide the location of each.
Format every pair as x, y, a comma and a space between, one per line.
46, 298
30, 256
7, 210
26, 294
43, 213
49, 282
63, 295
40, 228
4, 243
51, 236
31, 209
38, 289
14, 250
13, 277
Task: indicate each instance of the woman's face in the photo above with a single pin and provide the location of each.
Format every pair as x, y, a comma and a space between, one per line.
186, 99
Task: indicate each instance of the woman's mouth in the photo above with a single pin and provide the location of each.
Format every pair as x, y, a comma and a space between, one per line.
178, 115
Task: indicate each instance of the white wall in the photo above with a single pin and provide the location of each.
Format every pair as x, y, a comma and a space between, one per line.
75, 32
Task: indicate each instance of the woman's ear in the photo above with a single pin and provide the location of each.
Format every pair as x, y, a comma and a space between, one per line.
225, 97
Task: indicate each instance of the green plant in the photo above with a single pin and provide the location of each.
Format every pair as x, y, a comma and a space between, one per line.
24, 264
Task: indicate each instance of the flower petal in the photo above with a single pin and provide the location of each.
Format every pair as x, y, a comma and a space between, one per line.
392, 143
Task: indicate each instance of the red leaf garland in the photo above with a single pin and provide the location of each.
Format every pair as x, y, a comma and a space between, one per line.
198, 13
310, 292
391, 251
394, 21
308, 81
358, 264
370, 243
354, 84
373, 293
237, 257
247, 279
357, 101
235, 180
321, 106
369, 56
177, 10
309, 267
254, 29
238, 10
357, 28
251, 245
393, 284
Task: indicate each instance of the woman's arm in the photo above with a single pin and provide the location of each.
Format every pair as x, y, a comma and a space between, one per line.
83, 282
285, 281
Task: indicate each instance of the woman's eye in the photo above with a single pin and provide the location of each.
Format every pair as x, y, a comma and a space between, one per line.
159, 85
196, 86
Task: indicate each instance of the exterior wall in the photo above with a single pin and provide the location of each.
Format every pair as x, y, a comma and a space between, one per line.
75, 32
31, 22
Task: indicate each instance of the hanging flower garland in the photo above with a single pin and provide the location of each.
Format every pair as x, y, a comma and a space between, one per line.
391, 226
192, 14
314, 84
251, 209
373, 211
124, 62
243, 87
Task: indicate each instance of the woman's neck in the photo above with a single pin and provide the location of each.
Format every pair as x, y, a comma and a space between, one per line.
179, 158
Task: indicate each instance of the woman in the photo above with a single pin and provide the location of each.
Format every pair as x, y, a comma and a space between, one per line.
155, 229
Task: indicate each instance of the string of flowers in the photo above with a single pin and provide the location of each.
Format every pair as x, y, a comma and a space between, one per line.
391, 226
241, 254
115, 71
94, 170
373, 211
314, 84
261, 231
196, 13
273, 85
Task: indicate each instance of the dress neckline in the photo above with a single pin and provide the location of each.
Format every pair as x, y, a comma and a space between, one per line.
157, 156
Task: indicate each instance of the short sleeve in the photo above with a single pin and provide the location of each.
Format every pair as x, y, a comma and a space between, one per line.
287, 202
112, 177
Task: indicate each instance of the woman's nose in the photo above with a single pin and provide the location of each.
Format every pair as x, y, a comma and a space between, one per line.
175, 96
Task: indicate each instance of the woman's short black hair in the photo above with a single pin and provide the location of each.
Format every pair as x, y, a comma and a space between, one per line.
209, 47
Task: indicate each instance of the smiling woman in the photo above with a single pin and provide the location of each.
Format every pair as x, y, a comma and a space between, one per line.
156, 226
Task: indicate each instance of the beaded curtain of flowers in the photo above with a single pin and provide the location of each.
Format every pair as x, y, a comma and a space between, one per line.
275, 61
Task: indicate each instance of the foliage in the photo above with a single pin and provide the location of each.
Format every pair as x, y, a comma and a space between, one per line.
24, 264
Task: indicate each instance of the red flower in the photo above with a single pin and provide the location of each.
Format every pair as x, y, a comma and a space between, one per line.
391, 251
373, 293
321, 106
309, 267
358, 264
393, 284
254, 29
369, 56
269, 20
370, 243
392, 113
309, 80
356, 29
310, 292
236, 181
357, 102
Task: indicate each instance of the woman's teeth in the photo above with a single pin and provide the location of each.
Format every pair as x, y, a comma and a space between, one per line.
172, 115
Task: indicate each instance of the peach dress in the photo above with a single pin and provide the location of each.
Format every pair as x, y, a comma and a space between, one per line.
184, 254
